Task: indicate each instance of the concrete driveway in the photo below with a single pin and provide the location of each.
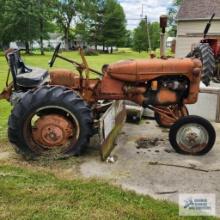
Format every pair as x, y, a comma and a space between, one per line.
157, 170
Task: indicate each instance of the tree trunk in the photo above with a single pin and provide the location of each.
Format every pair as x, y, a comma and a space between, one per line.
66, 39
27, 48
41, 37
66, 43
41, 46
111, 50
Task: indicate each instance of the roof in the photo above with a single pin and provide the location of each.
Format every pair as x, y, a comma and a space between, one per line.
199, 9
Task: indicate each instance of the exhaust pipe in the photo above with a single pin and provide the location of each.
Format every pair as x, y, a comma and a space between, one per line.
163, 25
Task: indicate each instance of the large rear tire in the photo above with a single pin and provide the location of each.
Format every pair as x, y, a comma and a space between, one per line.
192, 135
204, 52
52, 122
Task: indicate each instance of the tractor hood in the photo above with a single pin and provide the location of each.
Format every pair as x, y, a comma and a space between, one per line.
142, 70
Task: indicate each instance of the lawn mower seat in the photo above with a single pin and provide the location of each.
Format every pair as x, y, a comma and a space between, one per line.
24, 76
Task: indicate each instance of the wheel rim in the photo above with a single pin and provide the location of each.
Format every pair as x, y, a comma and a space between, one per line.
192, 137
51, 129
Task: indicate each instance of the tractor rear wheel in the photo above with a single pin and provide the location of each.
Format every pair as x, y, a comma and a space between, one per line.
50, 121
204, 52
177, 113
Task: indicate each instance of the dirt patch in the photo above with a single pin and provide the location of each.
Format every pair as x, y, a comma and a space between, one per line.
146, 143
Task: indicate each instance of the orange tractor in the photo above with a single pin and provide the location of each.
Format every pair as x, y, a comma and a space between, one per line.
56, 112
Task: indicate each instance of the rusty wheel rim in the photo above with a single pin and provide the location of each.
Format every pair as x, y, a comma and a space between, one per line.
51, 130
177, 114
192, 138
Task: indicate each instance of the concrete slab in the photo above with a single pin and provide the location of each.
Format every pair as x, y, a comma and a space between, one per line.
157, 171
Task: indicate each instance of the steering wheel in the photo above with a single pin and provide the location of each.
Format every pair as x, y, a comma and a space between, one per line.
56, 51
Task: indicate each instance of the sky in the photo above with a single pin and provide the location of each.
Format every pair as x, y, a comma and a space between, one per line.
152, 8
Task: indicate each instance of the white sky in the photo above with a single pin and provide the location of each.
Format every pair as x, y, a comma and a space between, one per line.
152, 8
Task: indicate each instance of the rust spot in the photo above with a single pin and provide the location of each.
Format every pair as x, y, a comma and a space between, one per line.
64, 77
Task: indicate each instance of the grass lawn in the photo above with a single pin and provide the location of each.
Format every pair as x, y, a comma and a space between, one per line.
29, 195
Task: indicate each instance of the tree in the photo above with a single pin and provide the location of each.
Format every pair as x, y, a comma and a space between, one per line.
172, 13
45, 10
114, 30
20, 22
2, 9
24, 21
101, 22
141, 37
154, 35
90, 24
65, 13
128, 39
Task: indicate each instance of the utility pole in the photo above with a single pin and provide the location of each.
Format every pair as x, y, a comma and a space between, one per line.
148, 35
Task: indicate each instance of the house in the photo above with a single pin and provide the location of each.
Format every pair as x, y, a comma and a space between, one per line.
53, 40
191, 19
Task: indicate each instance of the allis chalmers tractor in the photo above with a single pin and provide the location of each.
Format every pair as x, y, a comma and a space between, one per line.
58, 113
208, 51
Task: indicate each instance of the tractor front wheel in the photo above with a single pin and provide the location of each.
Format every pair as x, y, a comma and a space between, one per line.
50, 121
192, 135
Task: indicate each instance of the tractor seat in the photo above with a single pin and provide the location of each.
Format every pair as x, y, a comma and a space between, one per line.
33, 78
149, 69
24, 76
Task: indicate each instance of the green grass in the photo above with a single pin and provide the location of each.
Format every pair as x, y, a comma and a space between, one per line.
95, 62
30, 195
